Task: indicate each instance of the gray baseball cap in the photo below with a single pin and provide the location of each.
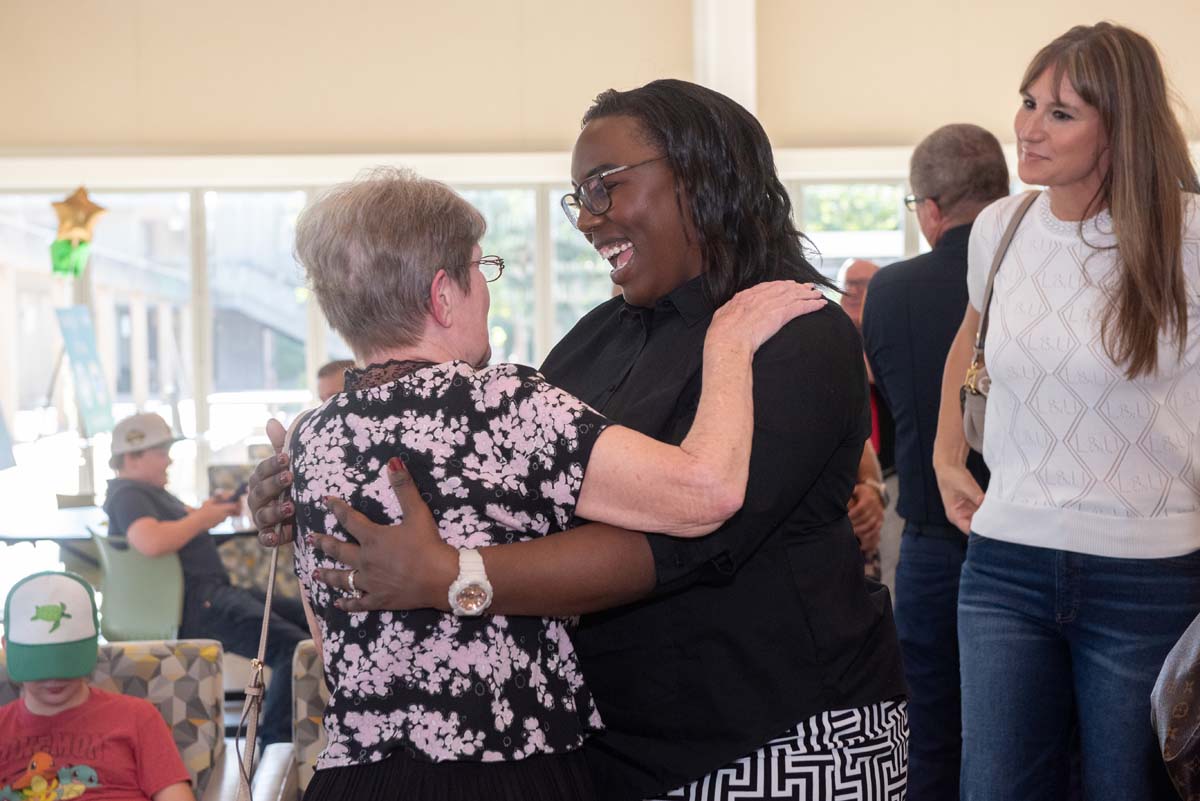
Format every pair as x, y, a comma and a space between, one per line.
141, 432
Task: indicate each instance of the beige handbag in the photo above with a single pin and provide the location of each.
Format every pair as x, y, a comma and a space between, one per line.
974, 391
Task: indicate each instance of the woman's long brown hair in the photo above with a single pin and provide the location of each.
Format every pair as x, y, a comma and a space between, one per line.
1117, 72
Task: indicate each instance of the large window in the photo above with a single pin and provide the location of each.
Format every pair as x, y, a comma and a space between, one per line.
259, 304
27, 227
258, 317
219, 343
511, 215
141, 273
580, 276
851, 220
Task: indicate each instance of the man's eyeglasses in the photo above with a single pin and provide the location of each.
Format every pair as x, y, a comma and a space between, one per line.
492, 267
593, 195
911, 201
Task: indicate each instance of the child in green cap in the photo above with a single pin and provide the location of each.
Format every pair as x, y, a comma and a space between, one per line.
63, 738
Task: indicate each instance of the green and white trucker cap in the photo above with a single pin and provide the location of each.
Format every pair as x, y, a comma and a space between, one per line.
52, 627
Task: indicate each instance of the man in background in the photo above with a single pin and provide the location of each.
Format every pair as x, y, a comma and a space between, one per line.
331, 378
911, 315
854, 277
869, 501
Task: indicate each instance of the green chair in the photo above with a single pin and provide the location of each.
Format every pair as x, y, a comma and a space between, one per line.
141, 596
79, 556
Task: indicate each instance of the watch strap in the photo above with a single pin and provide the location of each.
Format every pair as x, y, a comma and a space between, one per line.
880, 487
470, 566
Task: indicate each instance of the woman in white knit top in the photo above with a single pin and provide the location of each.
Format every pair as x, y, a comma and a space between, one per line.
1084, 559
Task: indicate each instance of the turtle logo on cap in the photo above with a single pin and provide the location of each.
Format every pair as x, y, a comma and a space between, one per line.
51, 613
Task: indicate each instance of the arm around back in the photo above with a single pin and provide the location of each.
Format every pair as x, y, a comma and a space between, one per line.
639, 483
809, 427
811, 420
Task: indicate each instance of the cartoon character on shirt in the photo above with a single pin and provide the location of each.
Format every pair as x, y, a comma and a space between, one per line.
41, 781
41, 766
75, 780
41, 790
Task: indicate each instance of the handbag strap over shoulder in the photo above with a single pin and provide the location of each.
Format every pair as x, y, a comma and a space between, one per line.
255, 688
1001, 249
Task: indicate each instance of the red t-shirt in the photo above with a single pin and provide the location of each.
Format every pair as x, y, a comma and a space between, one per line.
109, 748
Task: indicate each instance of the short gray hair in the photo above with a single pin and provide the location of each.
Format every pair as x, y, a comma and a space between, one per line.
959, 165
371, 248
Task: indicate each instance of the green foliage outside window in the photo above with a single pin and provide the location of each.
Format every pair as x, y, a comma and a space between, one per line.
852, 207
510, 215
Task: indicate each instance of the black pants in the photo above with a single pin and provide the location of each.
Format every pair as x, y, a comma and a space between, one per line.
542, 777
234, 616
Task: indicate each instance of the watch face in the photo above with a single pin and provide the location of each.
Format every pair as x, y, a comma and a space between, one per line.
472, 598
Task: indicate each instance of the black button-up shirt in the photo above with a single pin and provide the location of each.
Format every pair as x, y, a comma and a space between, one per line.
913, 311
768, 620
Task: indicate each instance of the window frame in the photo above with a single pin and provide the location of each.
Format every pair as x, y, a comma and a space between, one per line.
539, 172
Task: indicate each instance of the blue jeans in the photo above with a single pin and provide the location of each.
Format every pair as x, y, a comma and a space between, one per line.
931, 559
1050, 635
234, 616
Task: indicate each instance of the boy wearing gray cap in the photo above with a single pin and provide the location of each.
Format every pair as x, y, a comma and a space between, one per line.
156, 523
64, 738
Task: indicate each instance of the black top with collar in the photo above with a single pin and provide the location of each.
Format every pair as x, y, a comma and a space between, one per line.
767, 620
913, 311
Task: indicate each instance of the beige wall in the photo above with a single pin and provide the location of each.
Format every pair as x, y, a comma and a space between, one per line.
314, 76
886, 72
229, 76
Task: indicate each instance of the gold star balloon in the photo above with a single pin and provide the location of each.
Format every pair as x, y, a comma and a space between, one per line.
76, 220
77, 216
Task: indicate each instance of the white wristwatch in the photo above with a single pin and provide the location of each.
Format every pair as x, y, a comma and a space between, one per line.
471, 592
884, 496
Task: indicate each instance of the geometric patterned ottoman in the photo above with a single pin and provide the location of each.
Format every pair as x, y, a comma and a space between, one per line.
309, 698
249, 564
180, 677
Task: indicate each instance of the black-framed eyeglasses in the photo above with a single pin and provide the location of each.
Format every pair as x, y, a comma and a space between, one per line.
593, 195
492, 267
911, 201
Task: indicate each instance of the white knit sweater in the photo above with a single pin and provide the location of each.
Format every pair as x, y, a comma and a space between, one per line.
1082, 459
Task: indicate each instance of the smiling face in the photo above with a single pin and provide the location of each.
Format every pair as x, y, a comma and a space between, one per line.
644, 236
1061, 142
149, 465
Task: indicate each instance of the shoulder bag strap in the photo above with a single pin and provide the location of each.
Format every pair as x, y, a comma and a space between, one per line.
254, 686
1001, 249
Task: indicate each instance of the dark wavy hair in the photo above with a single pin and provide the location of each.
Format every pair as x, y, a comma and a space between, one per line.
724, 168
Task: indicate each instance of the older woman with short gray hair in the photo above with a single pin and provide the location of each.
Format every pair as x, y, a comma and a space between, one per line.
371, 248
458, 705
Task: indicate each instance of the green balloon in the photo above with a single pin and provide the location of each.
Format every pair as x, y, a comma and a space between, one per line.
68, 258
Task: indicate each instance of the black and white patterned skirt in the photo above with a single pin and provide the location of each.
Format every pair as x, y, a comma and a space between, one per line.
844, 755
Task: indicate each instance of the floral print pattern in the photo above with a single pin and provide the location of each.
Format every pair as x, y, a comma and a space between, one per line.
499, 455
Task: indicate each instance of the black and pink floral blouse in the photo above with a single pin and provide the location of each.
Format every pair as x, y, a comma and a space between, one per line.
499, 455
